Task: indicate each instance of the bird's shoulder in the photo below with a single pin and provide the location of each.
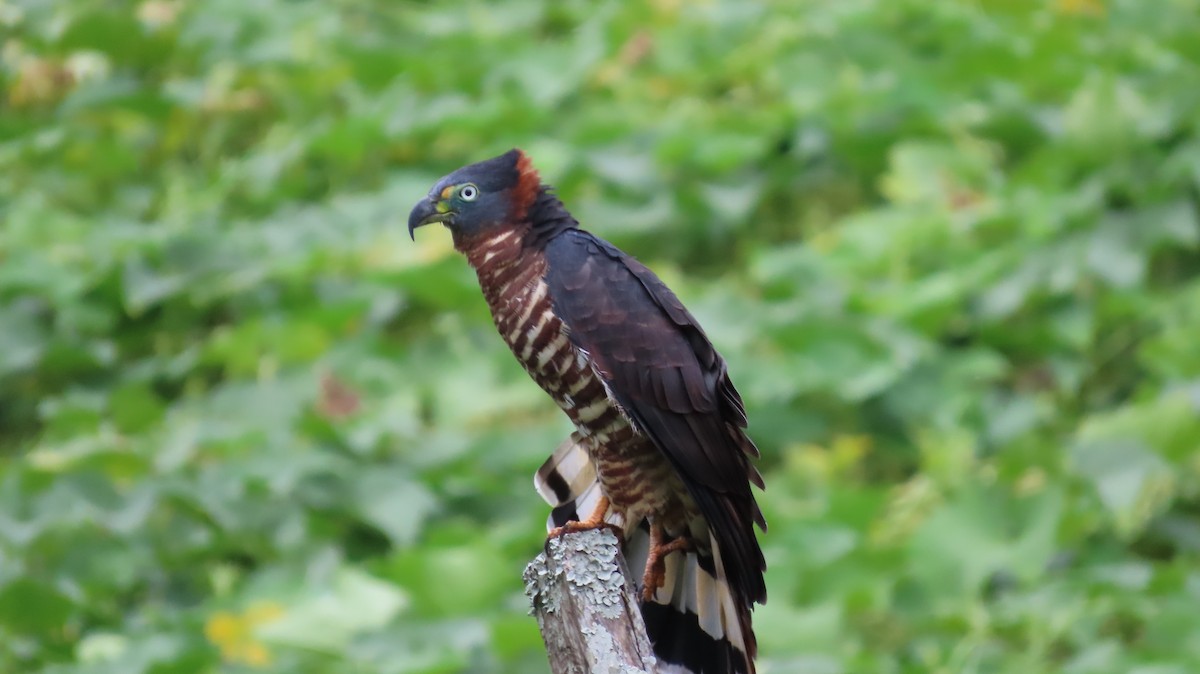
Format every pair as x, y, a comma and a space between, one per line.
578, 260
636, 329
574, 248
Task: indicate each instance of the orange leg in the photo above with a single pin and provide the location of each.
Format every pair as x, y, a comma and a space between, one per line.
594, 521
656, 565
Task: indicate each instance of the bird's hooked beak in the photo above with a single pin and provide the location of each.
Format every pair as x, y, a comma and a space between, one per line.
427, 211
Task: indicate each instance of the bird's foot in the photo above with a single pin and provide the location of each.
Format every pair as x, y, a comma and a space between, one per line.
656, 561
594, 521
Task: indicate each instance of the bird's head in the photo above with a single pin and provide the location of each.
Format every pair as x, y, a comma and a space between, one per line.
480, 197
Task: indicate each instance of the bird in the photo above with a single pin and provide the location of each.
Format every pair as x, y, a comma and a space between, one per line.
660, 452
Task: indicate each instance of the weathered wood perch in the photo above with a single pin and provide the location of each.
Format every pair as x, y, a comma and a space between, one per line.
585, 606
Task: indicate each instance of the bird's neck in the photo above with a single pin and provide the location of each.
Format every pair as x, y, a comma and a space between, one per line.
493, 250
547, 218
507, 269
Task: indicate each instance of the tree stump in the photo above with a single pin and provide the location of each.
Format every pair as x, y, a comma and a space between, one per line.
585, 606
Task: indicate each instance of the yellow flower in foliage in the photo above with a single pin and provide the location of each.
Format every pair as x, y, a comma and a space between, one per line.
841, 459
909, 505
158, 13
233, 634
847, 452
1081, 7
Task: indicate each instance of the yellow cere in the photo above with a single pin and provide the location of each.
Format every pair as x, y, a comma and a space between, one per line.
446, 191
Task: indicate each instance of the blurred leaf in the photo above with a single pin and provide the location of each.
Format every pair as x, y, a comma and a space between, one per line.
1133, 483
328, 618
28, 606
392, 501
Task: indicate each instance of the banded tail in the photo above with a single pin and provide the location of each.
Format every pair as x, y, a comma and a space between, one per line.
695, 622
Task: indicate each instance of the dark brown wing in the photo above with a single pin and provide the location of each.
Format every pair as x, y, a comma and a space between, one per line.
666, 375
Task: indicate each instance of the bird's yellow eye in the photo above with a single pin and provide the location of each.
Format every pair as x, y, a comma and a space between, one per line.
468, 192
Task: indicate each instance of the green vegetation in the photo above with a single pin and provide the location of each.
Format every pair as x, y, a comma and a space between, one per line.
950, 250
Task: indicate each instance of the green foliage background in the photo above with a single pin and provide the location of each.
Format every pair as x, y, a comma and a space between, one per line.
950, 250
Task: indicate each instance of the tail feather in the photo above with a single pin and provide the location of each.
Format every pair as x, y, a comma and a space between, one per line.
566, 474
695, 621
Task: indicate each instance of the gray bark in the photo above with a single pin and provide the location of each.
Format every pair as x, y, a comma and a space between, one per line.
586, 608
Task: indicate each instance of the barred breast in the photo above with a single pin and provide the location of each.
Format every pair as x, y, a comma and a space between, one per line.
635, 476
